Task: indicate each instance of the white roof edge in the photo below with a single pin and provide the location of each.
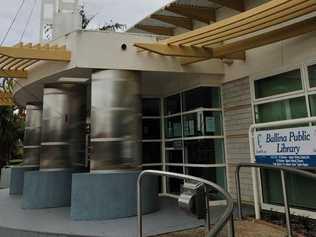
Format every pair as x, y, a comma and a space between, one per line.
159, 9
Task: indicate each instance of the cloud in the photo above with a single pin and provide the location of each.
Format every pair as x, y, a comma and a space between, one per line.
122, 11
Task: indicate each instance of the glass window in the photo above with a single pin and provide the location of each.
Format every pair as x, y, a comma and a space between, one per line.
281, 110
151, 152
174, 156
202, 97
312, 104
173, 128
172, 105
296, 186
151, 107
204, 151
174, 145
193, 124
312, 75
206, 123
151, 129
173, 184
159, 178
213, 123
278, 84
214, 174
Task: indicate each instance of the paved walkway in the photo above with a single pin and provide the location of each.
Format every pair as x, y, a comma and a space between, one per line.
244, 229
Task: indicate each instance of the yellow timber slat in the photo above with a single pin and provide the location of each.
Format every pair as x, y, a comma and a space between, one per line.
223, 51
6, 99
268, 11
13, 74
16, 59
284, 33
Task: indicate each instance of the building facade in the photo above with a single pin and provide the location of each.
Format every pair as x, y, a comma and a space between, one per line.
194, 118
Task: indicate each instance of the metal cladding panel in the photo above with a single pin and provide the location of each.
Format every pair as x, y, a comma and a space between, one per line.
63, 129
32, 135
115, 120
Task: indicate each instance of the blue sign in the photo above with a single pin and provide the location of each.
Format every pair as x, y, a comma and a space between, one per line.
295, 147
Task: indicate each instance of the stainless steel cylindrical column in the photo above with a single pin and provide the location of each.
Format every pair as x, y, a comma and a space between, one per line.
115, 120
32, 136
63, 127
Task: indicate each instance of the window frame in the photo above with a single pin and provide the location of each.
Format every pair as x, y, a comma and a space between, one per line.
182, 113
305, 92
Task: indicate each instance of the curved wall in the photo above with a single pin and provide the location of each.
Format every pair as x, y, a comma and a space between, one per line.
115, 120
63, 126
32, 135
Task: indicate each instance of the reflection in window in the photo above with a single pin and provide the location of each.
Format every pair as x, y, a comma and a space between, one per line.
173, 184
204, 123
312, 103
278, 84
172, 105
151, 107
159, 178
312, 75
174, 156
210, 151
202, 97
296, 186
216, 175
151, 152
213, 124
173, 127
193, 124
151, 129
281, 110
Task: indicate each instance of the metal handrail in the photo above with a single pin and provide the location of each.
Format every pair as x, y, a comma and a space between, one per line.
223, 220
282, 170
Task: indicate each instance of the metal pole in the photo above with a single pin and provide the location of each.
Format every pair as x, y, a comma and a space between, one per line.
254, 175
237, 177
286, 205
231, 227
208, 216
139, 208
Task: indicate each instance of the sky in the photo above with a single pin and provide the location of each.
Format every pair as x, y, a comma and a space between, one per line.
126, 12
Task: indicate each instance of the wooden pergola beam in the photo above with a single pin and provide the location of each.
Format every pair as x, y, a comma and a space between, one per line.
183, 22
274, 36
13, 73
6, 99
176, 51
284, 33
204, 53
237, 5
187, 52
38, 53
258, 18
159, 30
203, 14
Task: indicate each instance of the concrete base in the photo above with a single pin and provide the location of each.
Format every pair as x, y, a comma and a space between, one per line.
56, 222
47, 189
111, 195
5, 177
17, 179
